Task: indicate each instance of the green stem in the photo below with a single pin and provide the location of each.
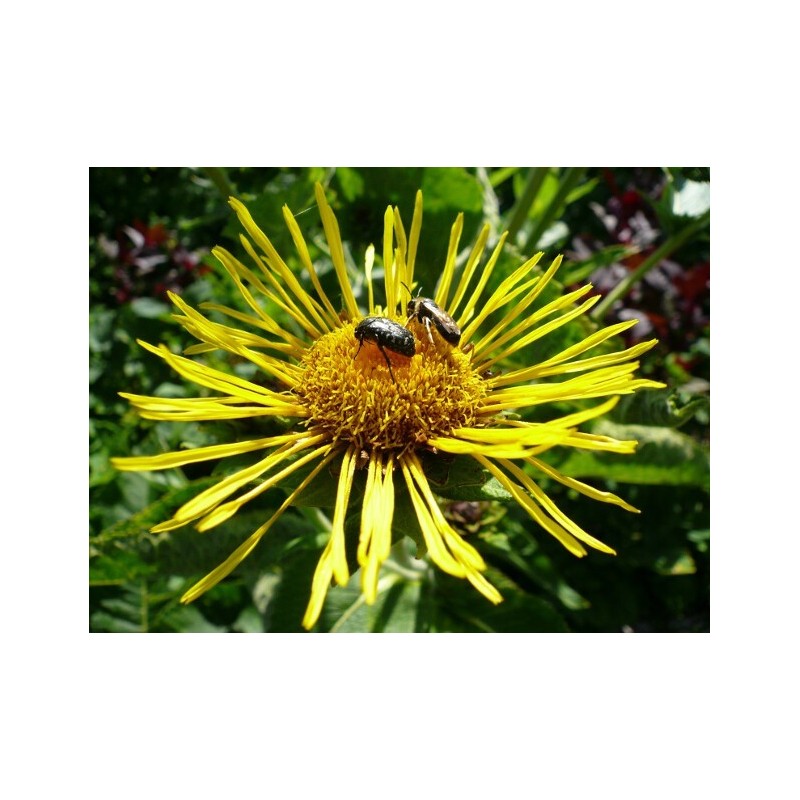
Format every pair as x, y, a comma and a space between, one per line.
658, 255
569, 180
535, 180
219, 177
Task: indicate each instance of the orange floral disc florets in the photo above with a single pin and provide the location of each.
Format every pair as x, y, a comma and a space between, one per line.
351, 394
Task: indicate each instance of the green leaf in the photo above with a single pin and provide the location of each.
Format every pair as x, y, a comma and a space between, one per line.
156, 512
502, 174
462, 478
456, 607
659, 407
445, 188
351, 182
664, 456
321, 492
581, 190
523, 614
394, 610
405, 522
677, 562
579, 271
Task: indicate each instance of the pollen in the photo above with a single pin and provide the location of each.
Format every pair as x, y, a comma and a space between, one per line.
351, 394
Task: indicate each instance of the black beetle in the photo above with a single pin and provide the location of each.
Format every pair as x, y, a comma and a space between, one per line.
426, 311
386, 334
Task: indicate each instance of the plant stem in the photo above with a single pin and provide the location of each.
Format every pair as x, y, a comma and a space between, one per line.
218, 176
526, 200
570, 178
658, 255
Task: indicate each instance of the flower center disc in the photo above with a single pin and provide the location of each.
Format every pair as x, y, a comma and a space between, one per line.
354, 398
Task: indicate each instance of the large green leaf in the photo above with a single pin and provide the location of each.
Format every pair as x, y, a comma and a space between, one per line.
664, 456
394, 611
462, 478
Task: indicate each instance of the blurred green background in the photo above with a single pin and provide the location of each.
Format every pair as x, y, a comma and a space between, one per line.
639, 235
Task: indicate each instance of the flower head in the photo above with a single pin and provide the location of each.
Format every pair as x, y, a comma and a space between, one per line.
373, 389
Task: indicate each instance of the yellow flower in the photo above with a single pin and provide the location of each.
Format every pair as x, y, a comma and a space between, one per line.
377, 395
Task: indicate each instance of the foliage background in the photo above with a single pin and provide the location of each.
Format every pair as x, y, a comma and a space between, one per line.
646, 230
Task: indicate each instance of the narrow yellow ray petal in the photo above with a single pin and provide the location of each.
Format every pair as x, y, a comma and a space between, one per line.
288, 374
314, 327
369, 505
549, 368
484, 587
430, 530
468, 272
610, 378
521, 436
169, 525
233, 267
538, 333
553, 510
183, 457
523, 499
450, 262
579, 486
320, 584
221, 335
594, 339
183, 403
388, 259
398, 277
224, 337
595, 362
331, 227
239, 272
383, 532
399, 231
504, 331
214, 495
210, 412
338, 554
508, 289
469, 309
464, 554
472, 261
568, 420
268, 324
413, 241
221, 381
241, 552
276, 265
227, 510
593, 441
448, 444
375, 538
369, 263
546, 393
332, 317
247, 319
521, 439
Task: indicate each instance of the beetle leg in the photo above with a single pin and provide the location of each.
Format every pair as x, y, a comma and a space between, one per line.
388, 363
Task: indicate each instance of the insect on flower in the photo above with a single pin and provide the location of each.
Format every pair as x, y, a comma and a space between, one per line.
425, 311
386, 334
